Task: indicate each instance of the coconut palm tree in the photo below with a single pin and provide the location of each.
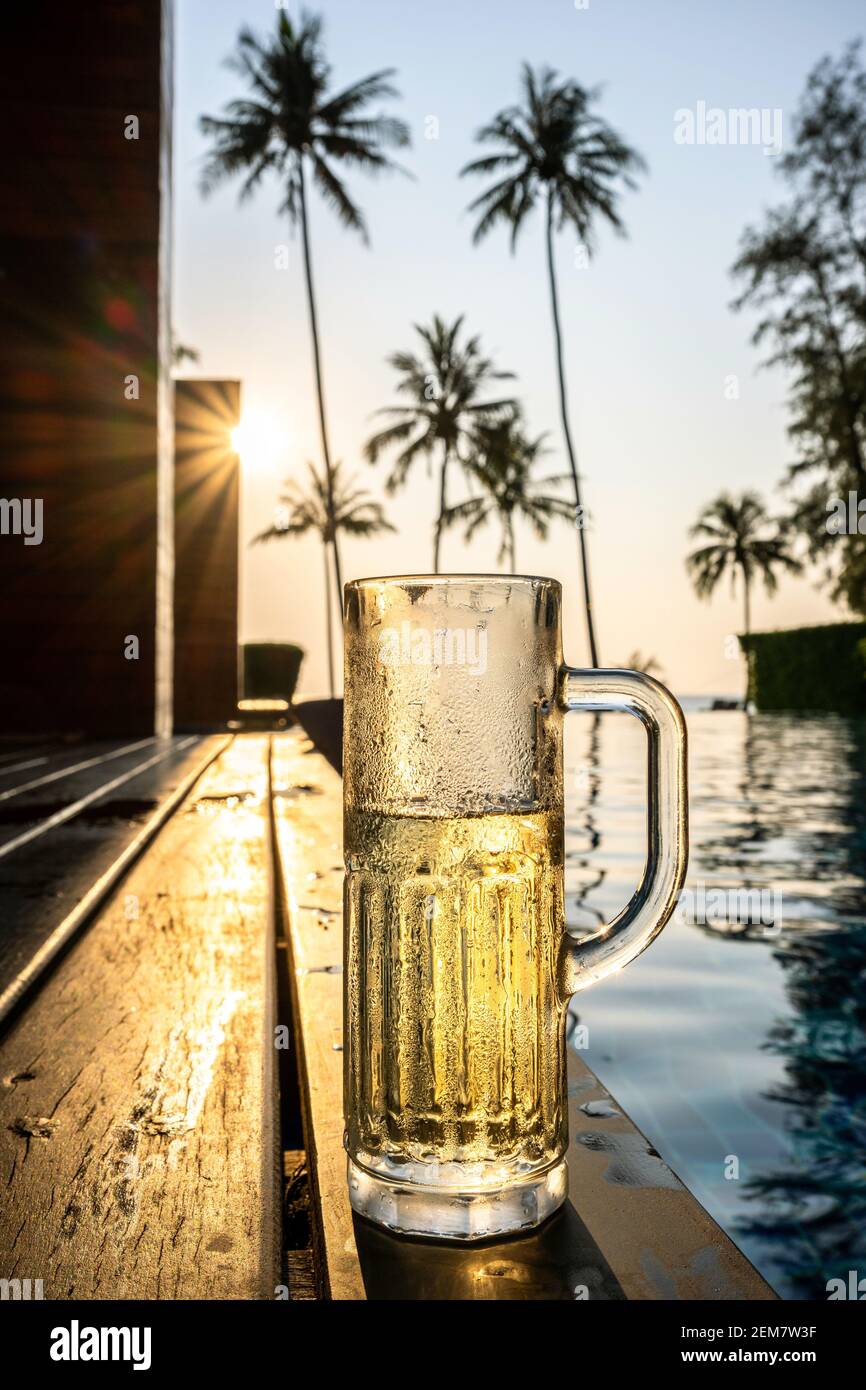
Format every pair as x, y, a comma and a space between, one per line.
291, 122
347, 508
742, 541
503, 467
554, 148
444, 387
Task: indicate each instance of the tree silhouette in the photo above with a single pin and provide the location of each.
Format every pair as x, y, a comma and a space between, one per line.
289, 122
738, 544
348, 508
502, 465
555, 148
444, 388
804, 272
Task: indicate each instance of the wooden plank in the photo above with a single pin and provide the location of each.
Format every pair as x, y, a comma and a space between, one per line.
54, 883
307, 796
138, 1150
630, 1229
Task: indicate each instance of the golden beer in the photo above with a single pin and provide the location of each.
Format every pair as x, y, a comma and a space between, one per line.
453, 1023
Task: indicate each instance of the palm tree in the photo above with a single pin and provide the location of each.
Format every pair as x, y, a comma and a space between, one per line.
503, 468
348, 508
555, 147
444, 386
291, 121
739, 544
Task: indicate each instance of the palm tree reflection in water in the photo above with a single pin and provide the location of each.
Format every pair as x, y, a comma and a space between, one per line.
779, 805
811, 1212
590, 877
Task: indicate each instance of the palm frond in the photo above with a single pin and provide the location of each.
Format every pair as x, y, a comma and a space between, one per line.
443, 389
336, 195
290, 115
553, 142
355, 511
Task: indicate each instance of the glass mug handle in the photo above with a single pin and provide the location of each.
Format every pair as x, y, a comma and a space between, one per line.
582, 963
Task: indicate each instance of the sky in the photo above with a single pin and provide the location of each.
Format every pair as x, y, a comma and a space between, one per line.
669, 403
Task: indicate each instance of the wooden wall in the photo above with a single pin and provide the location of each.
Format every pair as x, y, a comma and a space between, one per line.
84, 283
206, 554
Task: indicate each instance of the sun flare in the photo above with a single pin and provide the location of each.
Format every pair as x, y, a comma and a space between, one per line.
257, 440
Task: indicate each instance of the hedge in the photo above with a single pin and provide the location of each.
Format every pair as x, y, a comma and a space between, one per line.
271, 670
808, 668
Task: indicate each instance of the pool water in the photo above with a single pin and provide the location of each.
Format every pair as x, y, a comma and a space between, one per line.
738, 1047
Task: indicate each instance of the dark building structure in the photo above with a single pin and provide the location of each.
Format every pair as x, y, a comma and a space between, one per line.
85, 355
206, 489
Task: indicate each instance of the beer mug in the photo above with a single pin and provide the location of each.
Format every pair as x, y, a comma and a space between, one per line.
458, 968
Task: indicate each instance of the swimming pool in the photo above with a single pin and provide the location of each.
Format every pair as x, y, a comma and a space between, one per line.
739, 1049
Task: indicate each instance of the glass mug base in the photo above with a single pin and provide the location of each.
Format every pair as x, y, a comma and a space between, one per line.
449, 1213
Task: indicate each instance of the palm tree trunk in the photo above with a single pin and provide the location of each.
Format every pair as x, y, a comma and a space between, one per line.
747, 628
437, 539
566, 430
329, 620
314, 329
512, 558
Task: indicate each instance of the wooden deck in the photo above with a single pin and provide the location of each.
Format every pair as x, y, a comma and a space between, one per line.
73, 817
138, 1147
630, 1230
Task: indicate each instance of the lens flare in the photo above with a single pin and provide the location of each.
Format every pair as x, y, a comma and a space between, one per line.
257, 440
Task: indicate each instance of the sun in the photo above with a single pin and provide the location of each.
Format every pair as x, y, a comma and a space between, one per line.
257, 440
